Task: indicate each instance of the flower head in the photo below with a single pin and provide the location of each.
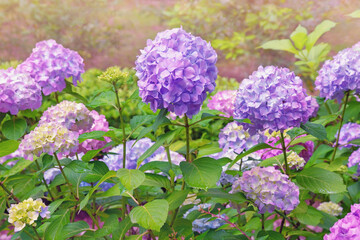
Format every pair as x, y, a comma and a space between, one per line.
347, 228
176, 71
330, 208
18, 91
49, 138
295, 161
354, 159
223, 101
50, 64
348, 133
340, 74
176, 158
269, 188
26, 213
113, 75
273, 98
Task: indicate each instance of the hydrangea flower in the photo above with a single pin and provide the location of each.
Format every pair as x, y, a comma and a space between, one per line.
176, 158
348, 133
269, 189
26, 213
74, 116
49, 138
99, 124
16, 154
113, 75
50, 64
18, 91
176, 70
50, 174
354, 159
223, 101
347, 228
201, 225
330, 208
295, 161
235, 137
273, 98
340, 74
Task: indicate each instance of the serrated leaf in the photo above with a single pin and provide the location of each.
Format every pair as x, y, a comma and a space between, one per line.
54, 230
122, 228
319, 30
220, 193
130, 178
92, 135
18, 167
8, 147
74, 228
140, 120
152, 215
299, 37
317, 130
282, 45
176, 198
14, 129
103, 99
251, 150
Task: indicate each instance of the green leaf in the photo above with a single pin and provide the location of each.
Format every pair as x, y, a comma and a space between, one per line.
108, 175
122, 229
307, 215
156, 180
160, 119
176, 198
8, 147
317, 130
140, 120
299, 37
152, 215
319, 180
270, 235
55, 228
74, 228
159, 142
130, 178
202, 173
220, 193
14, 129
103, 99
276, 160
251, 150
320, 29
92, 153
18, 167
92, 135
355, 14
303, 139
282, 45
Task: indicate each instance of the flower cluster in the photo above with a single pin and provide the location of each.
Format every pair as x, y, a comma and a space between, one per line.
223, 101
49, 138
18, 91
347, 228
113, 75
354, 159
176, 71
50, 174
269, 188
295, 161
176, 158
27, 212
234, 136
50, 64
340, 74
201, 225
273, 98
348, 133
330, 208
16, 154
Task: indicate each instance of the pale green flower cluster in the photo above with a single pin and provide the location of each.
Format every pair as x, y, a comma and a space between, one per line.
330, 208
113, 75
26, 213
295, 161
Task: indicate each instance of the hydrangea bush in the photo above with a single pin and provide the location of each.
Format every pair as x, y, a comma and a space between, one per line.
268, 161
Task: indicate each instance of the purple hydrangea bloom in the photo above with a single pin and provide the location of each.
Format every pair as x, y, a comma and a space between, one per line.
269, 188
176, 70
176, 158
18, 91
16, 154
347, 228
223, 101
273, 98
50, 174
49, 138
99, 124
74, 116
348, 133
340, 74
354, 159
50, 64
115, 161
234, 136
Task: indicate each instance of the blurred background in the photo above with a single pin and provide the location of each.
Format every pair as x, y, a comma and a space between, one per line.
111, 32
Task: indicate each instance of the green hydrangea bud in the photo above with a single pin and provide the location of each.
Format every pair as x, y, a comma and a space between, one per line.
114, 75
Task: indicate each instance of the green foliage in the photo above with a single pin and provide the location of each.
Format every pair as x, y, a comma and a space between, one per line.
14, 129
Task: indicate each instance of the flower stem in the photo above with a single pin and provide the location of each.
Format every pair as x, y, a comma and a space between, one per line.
66, 179
8, 192
121, 123
37, 234
187, 127
262, 221
46, 185
341, 123
282, 139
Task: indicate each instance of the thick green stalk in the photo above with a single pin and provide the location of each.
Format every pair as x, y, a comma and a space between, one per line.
8, 192
66, 179
187, 127
46, 185
341, 123
282, 140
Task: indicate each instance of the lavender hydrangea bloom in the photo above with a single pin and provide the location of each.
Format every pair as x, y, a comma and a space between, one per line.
273, 98
201, 225
18, 91
50, 64
176, 70
235, 137
49, 138
348, 133
223, 101
74, 116
50, 174
269, 188
16, 154
176, 158
340, 74
347, 228
354, 159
